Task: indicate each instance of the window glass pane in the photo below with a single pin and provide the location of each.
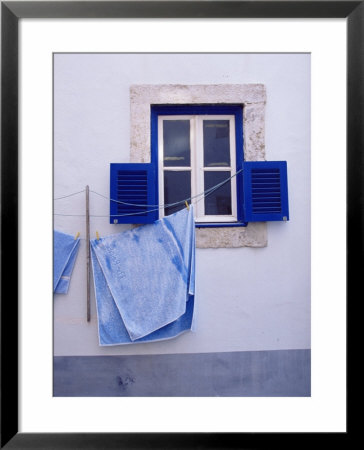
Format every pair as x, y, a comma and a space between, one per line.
176, 139
219, 201
177, 186
216, 143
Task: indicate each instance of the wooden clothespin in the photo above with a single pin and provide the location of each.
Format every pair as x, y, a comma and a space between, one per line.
97, 235
187, 205
77, 235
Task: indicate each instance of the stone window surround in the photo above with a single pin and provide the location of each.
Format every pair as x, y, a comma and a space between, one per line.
251, 96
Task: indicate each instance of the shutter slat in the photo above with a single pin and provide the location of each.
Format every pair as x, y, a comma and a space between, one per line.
265, 191
134, 184
132, 189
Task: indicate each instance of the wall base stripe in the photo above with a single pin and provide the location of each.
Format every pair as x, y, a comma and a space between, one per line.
278, 373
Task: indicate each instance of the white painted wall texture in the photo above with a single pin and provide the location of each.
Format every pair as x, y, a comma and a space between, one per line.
247, 298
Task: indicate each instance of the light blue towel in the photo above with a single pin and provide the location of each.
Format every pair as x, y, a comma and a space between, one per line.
145, 281
65, 249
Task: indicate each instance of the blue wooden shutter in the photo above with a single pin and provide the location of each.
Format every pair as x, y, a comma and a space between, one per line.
135, 186
265, 191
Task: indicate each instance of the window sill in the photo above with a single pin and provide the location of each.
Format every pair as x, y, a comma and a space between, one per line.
221, 224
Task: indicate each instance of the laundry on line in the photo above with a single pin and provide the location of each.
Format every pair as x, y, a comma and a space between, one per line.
144, 281
65, 250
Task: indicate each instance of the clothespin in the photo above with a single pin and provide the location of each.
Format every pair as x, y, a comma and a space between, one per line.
78, 233
187, 205
97, 235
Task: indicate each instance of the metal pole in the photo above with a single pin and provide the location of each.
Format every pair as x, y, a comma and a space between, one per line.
88, 252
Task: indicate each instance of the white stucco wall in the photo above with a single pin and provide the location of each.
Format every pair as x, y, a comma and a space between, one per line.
247, 298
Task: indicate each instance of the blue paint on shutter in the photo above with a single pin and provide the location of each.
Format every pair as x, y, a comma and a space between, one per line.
265, 191
134, 186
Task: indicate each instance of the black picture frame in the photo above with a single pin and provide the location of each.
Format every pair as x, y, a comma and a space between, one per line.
11, 12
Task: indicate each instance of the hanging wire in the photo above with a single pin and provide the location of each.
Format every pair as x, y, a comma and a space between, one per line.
69, 195
203, 194
168, 205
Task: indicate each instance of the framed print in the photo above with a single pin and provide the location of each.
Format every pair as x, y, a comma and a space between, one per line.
124, 123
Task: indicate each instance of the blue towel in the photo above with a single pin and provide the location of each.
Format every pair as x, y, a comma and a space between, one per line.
145, 281
65, 249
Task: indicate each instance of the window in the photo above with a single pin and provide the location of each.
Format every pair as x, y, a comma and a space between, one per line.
195, 148
261, 195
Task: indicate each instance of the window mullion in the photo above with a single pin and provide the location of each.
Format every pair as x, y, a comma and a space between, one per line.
200, 210
193, 154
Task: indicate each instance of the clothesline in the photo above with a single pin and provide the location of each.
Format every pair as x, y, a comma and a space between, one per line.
203, 194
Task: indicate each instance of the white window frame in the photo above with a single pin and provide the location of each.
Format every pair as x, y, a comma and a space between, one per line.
196, 167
